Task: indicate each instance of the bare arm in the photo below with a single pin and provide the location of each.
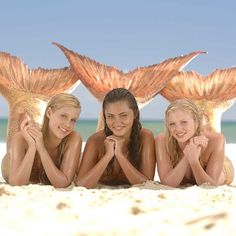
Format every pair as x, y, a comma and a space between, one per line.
91, 170
148, 160
21, 161
22, 154
168, 175
146, 170
215, 163
63, 176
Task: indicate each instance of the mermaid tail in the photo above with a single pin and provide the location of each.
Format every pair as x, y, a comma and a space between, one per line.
144, 82
213, 93
27, 91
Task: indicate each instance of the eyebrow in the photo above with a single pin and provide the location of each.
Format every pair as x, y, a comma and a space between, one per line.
124, 112
68, 114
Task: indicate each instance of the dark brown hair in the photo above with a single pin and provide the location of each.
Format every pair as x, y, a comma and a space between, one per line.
122, 94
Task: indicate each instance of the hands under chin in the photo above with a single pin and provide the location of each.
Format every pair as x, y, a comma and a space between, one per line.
109, 147
37, 135
192, 151
118, 145
25, 127
201, 140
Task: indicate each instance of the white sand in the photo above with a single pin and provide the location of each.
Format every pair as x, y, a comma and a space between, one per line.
150, 209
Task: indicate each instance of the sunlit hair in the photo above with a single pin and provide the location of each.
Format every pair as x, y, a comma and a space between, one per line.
55, 103
187, 106
122, 94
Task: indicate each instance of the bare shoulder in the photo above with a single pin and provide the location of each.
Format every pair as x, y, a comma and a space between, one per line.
160, 138
215, 139
146, 135
146, 132
96, 139
75, 137
214, 136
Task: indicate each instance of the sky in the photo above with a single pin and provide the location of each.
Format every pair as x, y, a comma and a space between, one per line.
125, 34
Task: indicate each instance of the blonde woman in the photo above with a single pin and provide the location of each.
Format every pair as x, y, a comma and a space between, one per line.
49, 155
186, 153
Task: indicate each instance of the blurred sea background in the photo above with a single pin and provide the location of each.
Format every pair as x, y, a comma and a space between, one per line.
88, 126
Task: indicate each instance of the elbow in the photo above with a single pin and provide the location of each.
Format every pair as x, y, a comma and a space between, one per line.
169, 183
172, 185
80, 183
63, 184
15, 182
149, 176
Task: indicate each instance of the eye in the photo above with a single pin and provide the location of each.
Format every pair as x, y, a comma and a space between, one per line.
171, 124
109, 116
74, 120
63, 115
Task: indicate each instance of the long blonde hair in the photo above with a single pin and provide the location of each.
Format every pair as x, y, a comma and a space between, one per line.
55, 103
172, 146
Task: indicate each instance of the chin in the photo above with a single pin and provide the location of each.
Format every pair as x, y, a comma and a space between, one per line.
184, 140
61, 136
118, 134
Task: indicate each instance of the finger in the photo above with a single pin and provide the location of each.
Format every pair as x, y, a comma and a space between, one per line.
191, 141
33, 127
24, 123
34, 132
111, 139
31, 134
195, 140
29, 126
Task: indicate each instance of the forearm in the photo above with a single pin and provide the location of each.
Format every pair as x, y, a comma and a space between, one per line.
133, 175
175, 176
56, 177
21, 176
91, 178
200, 175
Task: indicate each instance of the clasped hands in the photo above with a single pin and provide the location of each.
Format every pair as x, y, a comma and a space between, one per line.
193, 149
114, 146
31, 132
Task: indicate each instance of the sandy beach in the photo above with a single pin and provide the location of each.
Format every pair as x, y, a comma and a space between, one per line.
147, 209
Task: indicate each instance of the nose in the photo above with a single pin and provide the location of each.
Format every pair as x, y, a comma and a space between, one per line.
67, 123
178, 127
116, 121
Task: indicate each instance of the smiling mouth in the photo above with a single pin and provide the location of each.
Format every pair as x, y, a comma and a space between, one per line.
180, 135
63, 130
118, 128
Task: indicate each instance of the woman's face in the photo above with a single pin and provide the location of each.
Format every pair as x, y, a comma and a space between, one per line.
181, 125
62, 121
119, 118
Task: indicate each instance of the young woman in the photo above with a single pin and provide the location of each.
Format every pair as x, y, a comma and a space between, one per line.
122, 153
186, 153
49, 155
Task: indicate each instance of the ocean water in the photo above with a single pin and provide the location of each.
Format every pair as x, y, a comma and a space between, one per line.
87, 127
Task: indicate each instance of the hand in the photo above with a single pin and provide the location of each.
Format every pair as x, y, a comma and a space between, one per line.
25, 125
192, 152
37, 135
201, 141
119, 145
110, 147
